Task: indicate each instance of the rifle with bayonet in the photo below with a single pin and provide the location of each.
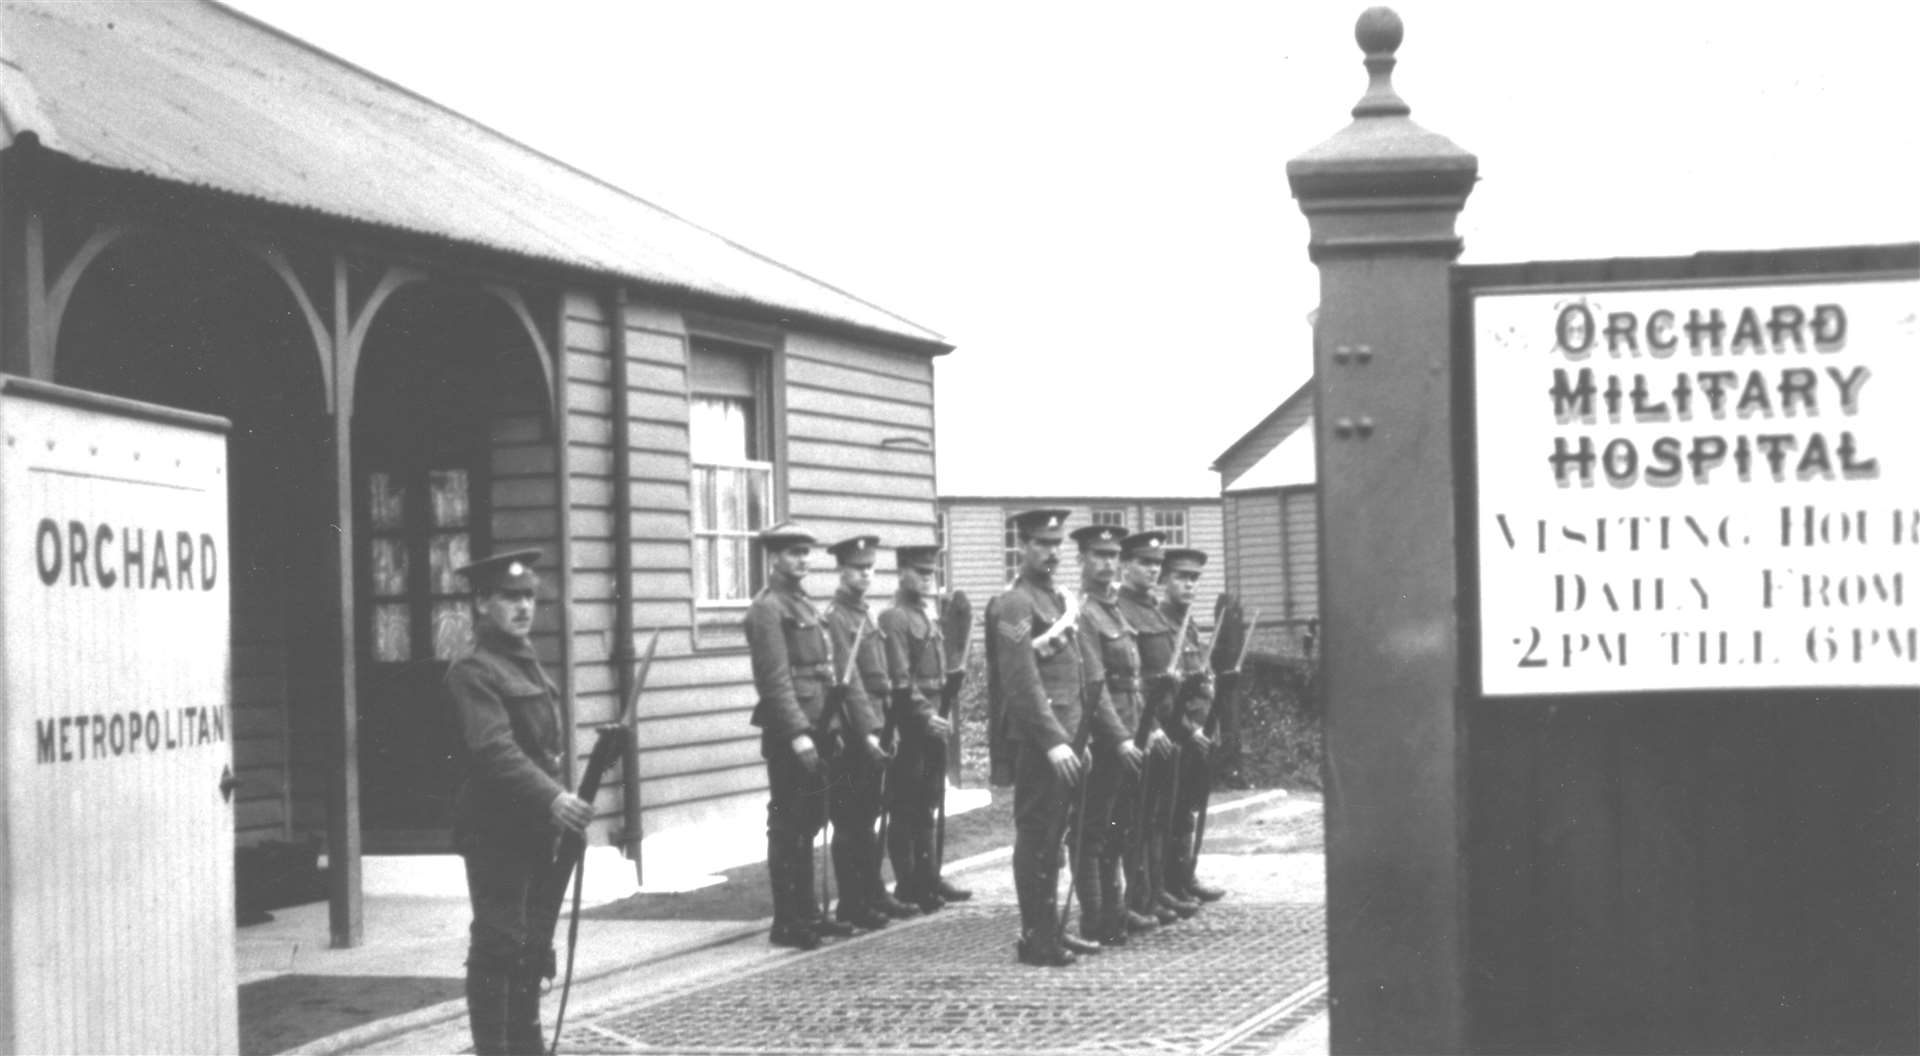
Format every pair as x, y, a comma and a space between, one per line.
1228, 684
569, 862
1181, 693
836, 706
956, 625
1076, 820
1152, 690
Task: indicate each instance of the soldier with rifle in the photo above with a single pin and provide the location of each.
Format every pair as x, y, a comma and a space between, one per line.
511, 807
1104, 821
860, 766
1141, 559
917, 662
1192, 711
792, 673
1035, 679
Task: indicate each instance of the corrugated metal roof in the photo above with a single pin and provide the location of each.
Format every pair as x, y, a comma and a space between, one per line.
199, 94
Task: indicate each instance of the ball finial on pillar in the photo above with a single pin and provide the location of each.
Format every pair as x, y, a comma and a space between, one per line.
1378, 32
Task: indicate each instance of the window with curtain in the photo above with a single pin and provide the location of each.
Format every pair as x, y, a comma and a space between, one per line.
733, 496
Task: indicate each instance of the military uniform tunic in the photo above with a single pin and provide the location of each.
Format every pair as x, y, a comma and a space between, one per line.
792, 670
916, 662
1146, 874
855, 789
1035, 706
509, 718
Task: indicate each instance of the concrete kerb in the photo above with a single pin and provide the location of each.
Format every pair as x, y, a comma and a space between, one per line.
354, 1039
360, 1037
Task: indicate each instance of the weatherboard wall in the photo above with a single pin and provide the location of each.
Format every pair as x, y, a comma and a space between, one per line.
853, 451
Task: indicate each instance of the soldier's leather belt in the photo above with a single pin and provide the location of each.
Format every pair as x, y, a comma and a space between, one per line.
1124, 683
820, 670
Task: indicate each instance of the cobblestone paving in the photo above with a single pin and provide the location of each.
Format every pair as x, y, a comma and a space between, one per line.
1237, 974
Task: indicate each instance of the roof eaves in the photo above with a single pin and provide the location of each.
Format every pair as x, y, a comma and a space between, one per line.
931, 336
705, 298
1306, 387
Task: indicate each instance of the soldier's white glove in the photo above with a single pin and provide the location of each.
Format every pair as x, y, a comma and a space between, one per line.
572, 811
1066, 763
809, 756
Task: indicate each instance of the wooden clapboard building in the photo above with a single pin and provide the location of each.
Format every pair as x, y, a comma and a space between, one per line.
1270, 506
982, 551
432, 342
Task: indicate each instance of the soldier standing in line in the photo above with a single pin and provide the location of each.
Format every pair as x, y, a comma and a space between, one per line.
1179, 585
511, 806
1141, 558
855, 798
792, 671
917, 660
1034, 719
1113, 690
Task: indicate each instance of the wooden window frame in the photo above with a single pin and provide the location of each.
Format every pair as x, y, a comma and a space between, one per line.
719, 625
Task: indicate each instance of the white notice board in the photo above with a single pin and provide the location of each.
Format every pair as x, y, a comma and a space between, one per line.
118, 845
1700, 486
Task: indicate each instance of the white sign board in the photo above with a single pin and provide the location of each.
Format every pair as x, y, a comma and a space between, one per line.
1698, 486
118, 845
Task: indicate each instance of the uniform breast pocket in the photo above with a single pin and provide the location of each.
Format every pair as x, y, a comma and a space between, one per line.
806, 640
1118, 652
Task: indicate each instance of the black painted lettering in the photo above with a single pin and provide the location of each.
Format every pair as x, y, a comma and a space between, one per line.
46, 550
1660, 334
1786, 322
183, 561
1797, 387
1704, 332
209, 562
1573, 331
1829, 327
133, 558
1746, 334
162, 575
77, 554
103, 538
45, 736
1620, 327
1572, 401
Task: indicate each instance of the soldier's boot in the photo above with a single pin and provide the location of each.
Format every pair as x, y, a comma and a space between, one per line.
937, 883
851, 865
1086, 884
1039, 943
487, 1001
525, 1035
1113, 910
901, 853
792, 925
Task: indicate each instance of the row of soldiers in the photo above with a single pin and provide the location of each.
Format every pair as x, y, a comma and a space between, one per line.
1099, 702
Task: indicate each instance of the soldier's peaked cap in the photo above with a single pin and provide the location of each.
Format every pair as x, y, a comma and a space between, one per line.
785, 534
1042, 523
1184, 559
921, 556
860, 549
1151, 544
512, 570
1087, 535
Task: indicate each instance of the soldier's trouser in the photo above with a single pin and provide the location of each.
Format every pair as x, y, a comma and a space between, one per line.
505, 882
1040, 801
913, 792
1147, 879
1192, 792
1089, 835
854, 805
796, 809
1122, 848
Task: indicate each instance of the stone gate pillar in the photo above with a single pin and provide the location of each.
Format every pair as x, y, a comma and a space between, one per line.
1380, 199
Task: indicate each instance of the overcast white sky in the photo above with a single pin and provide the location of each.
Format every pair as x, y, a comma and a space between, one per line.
1090, 199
